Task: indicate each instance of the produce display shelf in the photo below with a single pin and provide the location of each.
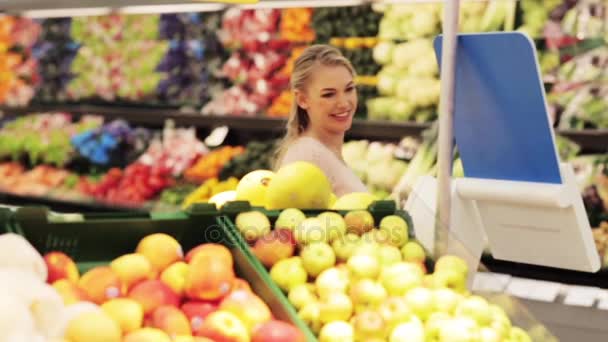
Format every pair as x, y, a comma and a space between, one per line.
591, 140
63, 205
155, 117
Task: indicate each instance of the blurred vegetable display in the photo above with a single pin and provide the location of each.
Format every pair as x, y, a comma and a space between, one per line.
354, 21
55, 52
18, 65
117, 59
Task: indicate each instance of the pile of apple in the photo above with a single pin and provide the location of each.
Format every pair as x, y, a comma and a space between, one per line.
159, 295
351, 279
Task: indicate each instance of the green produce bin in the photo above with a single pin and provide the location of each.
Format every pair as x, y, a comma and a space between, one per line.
97, 239
379, 210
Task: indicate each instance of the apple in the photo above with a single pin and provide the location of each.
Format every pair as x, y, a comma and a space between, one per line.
367, 294
487, 334
344, 246
333, 224
277, 245
359, 221
310, 230
317, 257
476, 308
459, 329
288, 273
289, 219
410, 331
451, 262
250, 309
519, 335
500, 321
196, 312
60, 266
432, 326
420, 300
367, 325
128, 313
364, 266
332, 280
337, 331
397, 229
388, 255
302, 294
277, 331
337, 307
412, 251
451, 279
310, 314
394, 310
224, 326
446, 300
399, 278
367, 248
377, 236
252, 224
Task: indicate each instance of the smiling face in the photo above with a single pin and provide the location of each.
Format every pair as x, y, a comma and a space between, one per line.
329, 98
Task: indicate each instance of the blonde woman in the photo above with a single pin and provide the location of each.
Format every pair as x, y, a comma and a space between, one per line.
325, 101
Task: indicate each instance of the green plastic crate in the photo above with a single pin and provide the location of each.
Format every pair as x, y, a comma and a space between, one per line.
97, 239
379, 210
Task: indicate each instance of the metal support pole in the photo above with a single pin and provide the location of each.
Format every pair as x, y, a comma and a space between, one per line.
446, 134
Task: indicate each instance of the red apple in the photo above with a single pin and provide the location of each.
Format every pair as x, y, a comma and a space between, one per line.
222, 326
277, 331
277, 245
152, 294
60, 266
197, 312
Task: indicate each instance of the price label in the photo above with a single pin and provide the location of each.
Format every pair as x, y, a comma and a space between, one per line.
490, 282
582, 296
217, 136
543, 291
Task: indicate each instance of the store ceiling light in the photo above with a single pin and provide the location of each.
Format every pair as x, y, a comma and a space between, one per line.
67, 12
175, 8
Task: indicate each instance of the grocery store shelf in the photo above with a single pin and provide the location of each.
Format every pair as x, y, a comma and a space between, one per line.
154, 117
62, 205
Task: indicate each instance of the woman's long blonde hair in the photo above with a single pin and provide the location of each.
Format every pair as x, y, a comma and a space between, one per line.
303, 68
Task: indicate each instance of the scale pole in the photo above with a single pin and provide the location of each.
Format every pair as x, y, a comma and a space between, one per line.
446, 135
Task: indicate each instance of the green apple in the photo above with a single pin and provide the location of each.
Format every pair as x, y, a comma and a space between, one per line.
317, 257
367, 248
376, 236
289, 218
519, 335
333, 224
459, 329
332, 280
252, 225
500, 321
368, 325
308, 231
413, 252
359, 221
288, 273
432, 326
452, 262
476, 308
446, 300
338, 331
367, 294
337, 307
396, 229
310, 314
410, 331
394, 310
488, 334
420, 301
451, 279
388, 255
399, 278
344, 246
301, 295
363, 266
